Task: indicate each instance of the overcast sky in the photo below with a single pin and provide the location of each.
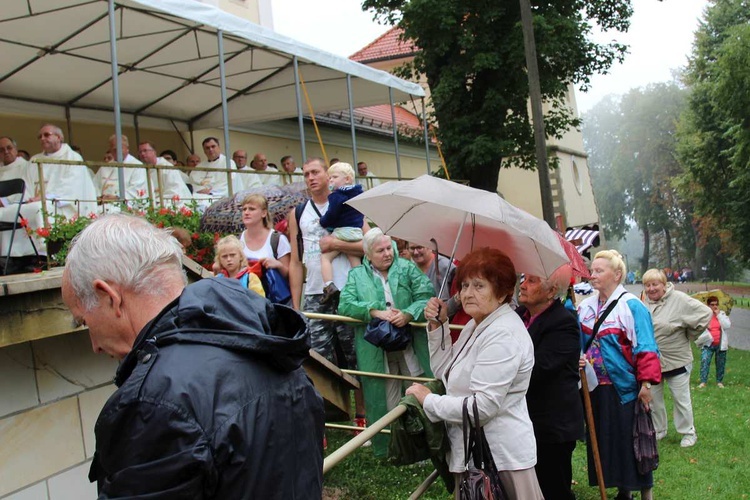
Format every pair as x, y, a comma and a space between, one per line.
660, 38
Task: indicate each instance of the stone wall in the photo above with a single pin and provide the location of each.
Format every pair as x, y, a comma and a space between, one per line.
52, 392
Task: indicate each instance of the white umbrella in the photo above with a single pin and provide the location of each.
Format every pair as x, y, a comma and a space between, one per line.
462, 218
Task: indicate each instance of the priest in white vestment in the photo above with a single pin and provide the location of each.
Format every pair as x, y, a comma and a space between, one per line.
211, 186
107, 178
260, 164
249, 180
166, 185
16, 167
362, 174
69, 188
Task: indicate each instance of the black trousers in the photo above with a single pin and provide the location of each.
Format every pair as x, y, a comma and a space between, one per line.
554, 470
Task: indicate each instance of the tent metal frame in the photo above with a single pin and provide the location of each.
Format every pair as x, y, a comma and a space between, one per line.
183, 27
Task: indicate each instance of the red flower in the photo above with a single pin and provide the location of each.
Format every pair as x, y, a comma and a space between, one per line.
92, 216
186, 211
24, 223
141, 193
196, 236
217, 237
160, 224
164, 211
175, 199
43, 232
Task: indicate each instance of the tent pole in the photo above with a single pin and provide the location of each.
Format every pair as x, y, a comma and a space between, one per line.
192, 138
69, 125
351, 121
395, 132
426, 136
116, 96
297, 94
137, 130
224, 110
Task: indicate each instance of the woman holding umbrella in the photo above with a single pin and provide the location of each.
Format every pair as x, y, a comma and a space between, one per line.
618, 340
490, 363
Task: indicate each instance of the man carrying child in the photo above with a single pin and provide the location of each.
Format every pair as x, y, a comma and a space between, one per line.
342, 221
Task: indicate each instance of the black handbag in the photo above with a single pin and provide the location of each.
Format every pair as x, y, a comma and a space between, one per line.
644, 440
483, 481
388, 337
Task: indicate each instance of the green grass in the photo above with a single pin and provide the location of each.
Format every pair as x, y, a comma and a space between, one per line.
741, 302
718, 466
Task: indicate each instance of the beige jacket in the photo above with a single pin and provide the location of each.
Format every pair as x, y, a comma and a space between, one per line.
678, 319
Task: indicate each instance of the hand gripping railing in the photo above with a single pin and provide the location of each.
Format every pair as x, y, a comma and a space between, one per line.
379, 426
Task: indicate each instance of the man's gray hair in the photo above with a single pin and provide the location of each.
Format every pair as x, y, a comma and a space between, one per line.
124, 250
559, 280
57, 130
125, 141
371, 238
12, 140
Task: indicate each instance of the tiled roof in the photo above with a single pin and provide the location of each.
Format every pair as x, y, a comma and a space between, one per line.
375, 118
386, 46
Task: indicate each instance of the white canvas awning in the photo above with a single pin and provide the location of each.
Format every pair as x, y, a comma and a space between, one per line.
57, 52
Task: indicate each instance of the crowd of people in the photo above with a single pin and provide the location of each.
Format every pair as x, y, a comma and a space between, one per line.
517, 359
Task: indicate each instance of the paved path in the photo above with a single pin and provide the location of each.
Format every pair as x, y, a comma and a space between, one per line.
739, 334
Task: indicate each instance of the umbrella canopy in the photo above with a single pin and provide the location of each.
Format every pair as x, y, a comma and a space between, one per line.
577, 264
726, 302
428, 208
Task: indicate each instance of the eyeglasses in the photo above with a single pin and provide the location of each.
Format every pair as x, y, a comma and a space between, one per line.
416, 249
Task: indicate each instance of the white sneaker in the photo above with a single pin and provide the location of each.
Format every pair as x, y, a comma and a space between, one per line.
661, 435
688, 440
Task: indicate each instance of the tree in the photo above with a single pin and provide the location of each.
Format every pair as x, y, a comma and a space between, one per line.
472, 54
632, 156
714, 133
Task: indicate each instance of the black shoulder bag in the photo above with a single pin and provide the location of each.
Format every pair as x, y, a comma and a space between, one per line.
483, 481
600, 320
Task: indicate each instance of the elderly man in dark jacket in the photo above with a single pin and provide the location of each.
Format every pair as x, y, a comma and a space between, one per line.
212, 401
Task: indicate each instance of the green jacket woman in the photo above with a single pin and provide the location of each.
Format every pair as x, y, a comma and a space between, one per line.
364, 298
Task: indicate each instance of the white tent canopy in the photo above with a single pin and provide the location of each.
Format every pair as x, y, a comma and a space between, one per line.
58, 52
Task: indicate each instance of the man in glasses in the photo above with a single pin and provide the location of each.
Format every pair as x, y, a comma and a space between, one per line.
435, 266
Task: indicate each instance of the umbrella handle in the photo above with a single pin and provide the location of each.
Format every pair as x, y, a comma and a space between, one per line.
453, 253
592, 434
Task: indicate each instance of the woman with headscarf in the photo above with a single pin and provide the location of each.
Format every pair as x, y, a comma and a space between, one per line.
618, 340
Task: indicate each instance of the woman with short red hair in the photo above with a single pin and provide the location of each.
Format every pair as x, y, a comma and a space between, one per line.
490, 363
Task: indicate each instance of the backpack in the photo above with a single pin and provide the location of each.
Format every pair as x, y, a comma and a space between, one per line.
275, 243
298, 215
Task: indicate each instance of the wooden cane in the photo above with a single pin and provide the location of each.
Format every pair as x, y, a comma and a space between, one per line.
592, 434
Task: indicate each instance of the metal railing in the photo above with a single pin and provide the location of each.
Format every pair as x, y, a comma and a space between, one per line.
367, 433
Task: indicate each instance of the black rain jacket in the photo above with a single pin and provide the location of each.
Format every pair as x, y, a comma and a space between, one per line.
213, 403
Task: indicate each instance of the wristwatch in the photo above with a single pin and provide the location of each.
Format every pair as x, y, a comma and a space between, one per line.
647, 385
